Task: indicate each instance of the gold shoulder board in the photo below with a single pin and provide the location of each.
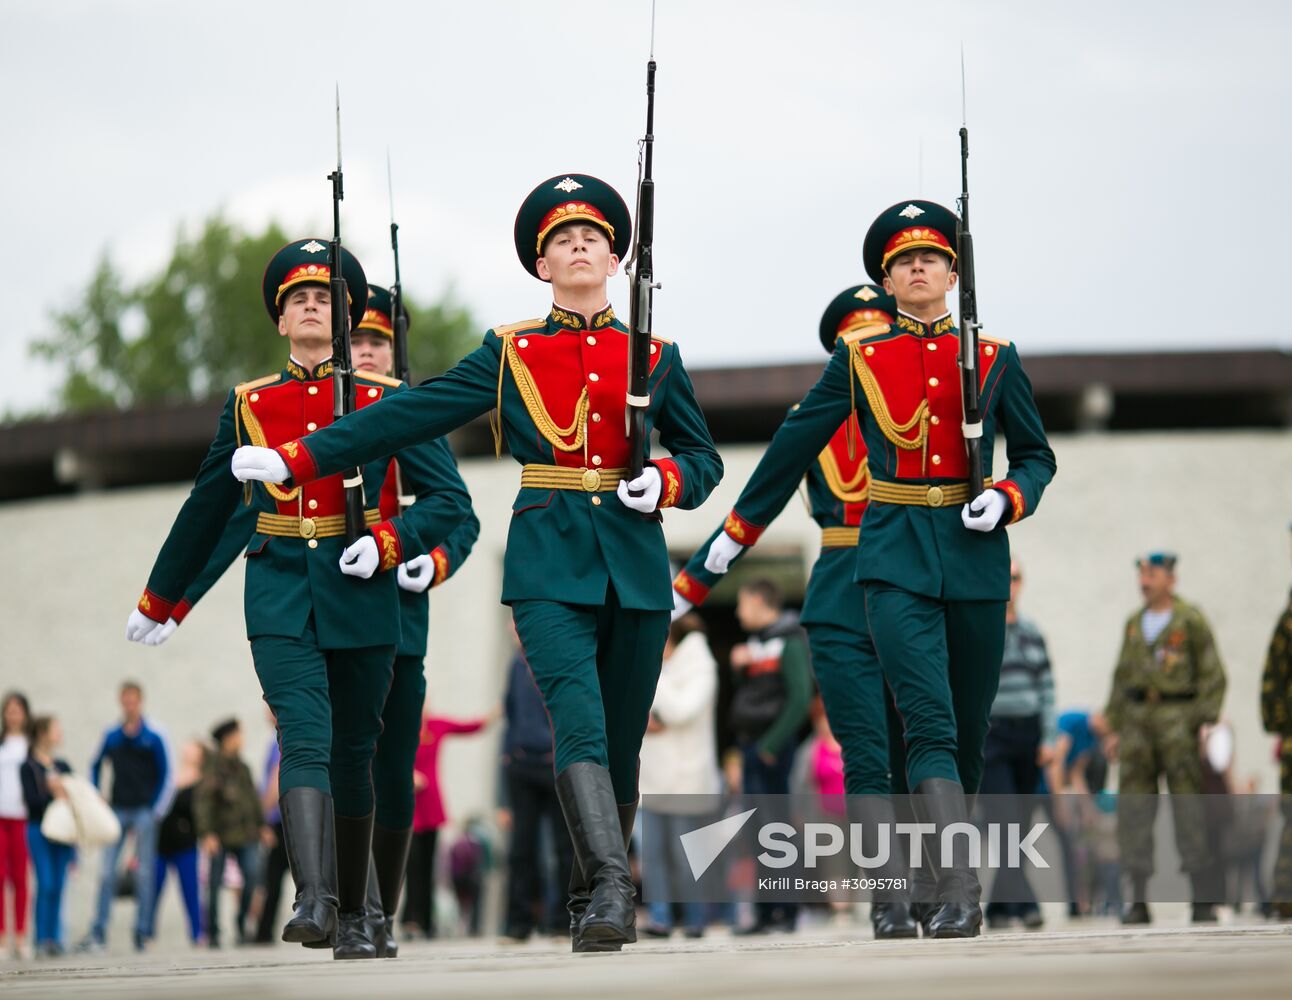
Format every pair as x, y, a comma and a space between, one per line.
866, 332
255, 383
394, 383
525, 324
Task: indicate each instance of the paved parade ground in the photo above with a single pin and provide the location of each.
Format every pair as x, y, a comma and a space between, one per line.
1101, 960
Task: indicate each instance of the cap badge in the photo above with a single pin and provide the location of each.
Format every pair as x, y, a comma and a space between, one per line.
911, 212
568, 184
313, 246
866, 294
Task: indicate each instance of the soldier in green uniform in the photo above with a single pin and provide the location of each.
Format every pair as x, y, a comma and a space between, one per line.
323, 639
834, 613
935, 573
372, 346
1168, 683
586, 568
1276, 716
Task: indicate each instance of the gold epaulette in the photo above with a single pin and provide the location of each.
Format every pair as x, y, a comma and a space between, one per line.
661, 340
998, 341
394, 383
255, 383
866, 332
525, 324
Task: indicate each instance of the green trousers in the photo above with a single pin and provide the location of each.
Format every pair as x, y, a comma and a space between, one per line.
941, 660
328, 704
401, 728
1160, 741
1282, 888
596, 667
852, 688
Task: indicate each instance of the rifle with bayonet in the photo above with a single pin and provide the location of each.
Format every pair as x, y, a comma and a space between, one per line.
343, 401
642, 278
399, 322
972, 425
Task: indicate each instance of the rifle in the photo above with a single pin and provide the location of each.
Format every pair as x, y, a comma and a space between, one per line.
400, 322
643, 284
342, 370
972, 425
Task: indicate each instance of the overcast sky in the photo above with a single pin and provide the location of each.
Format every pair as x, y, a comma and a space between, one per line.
1129, 166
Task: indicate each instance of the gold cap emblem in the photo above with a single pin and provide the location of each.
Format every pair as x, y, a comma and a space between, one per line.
911, 212
568, 184
866, 294
313, 246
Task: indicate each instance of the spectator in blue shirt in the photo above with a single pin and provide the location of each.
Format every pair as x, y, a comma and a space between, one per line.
136, 752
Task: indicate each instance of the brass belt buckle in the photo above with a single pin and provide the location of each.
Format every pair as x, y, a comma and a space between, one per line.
591, 480
934, 498
307, 528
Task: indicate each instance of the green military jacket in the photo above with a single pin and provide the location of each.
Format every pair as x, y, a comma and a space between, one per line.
1276, 681
903, 382
1182, 663
226, 803
837, 487
290, 577
559, 386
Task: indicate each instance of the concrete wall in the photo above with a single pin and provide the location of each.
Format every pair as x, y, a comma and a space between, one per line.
1222, 500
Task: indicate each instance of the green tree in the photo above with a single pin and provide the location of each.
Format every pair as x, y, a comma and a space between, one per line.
199, 326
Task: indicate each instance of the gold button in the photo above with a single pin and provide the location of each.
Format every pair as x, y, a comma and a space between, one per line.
596, 501
311, 426
593, 377
255, 396
313, 543
372, 393
592, 341
596, 459
314, 505
522, 342
654, 348
596, 418
869, 351
935, 419
989, 350
932, 346
937, 459
313, 390
934, 381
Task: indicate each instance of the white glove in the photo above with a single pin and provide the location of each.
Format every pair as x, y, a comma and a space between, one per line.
161, 633
139, 626
649, 484
361, 558
416, 574
263, 464
680, 606
721, 552
992, 503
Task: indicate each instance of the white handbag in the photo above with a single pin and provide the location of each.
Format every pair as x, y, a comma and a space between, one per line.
59, 822
96, 824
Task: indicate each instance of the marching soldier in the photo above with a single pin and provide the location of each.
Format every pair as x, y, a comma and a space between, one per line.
372, 350
586, 568
1276, 716
834, 613
323, 640
1168, 683
935, 584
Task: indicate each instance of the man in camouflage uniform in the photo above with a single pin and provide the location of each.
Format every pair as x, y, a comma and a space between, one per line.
1276, 716
1169, 682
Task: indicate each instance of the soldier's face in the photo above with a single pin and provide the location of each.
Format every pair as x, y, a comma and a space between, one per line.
371, 352
578, 257
1155, 582
919, 279
306, 316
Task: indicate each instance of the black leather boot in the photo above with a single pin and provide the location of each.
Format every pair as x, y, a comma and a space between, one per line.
923, 892
353, 856
608, 920
390, 854
311, 854
1204, 910
1137, 913
373, 913
890, 908
942, 802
